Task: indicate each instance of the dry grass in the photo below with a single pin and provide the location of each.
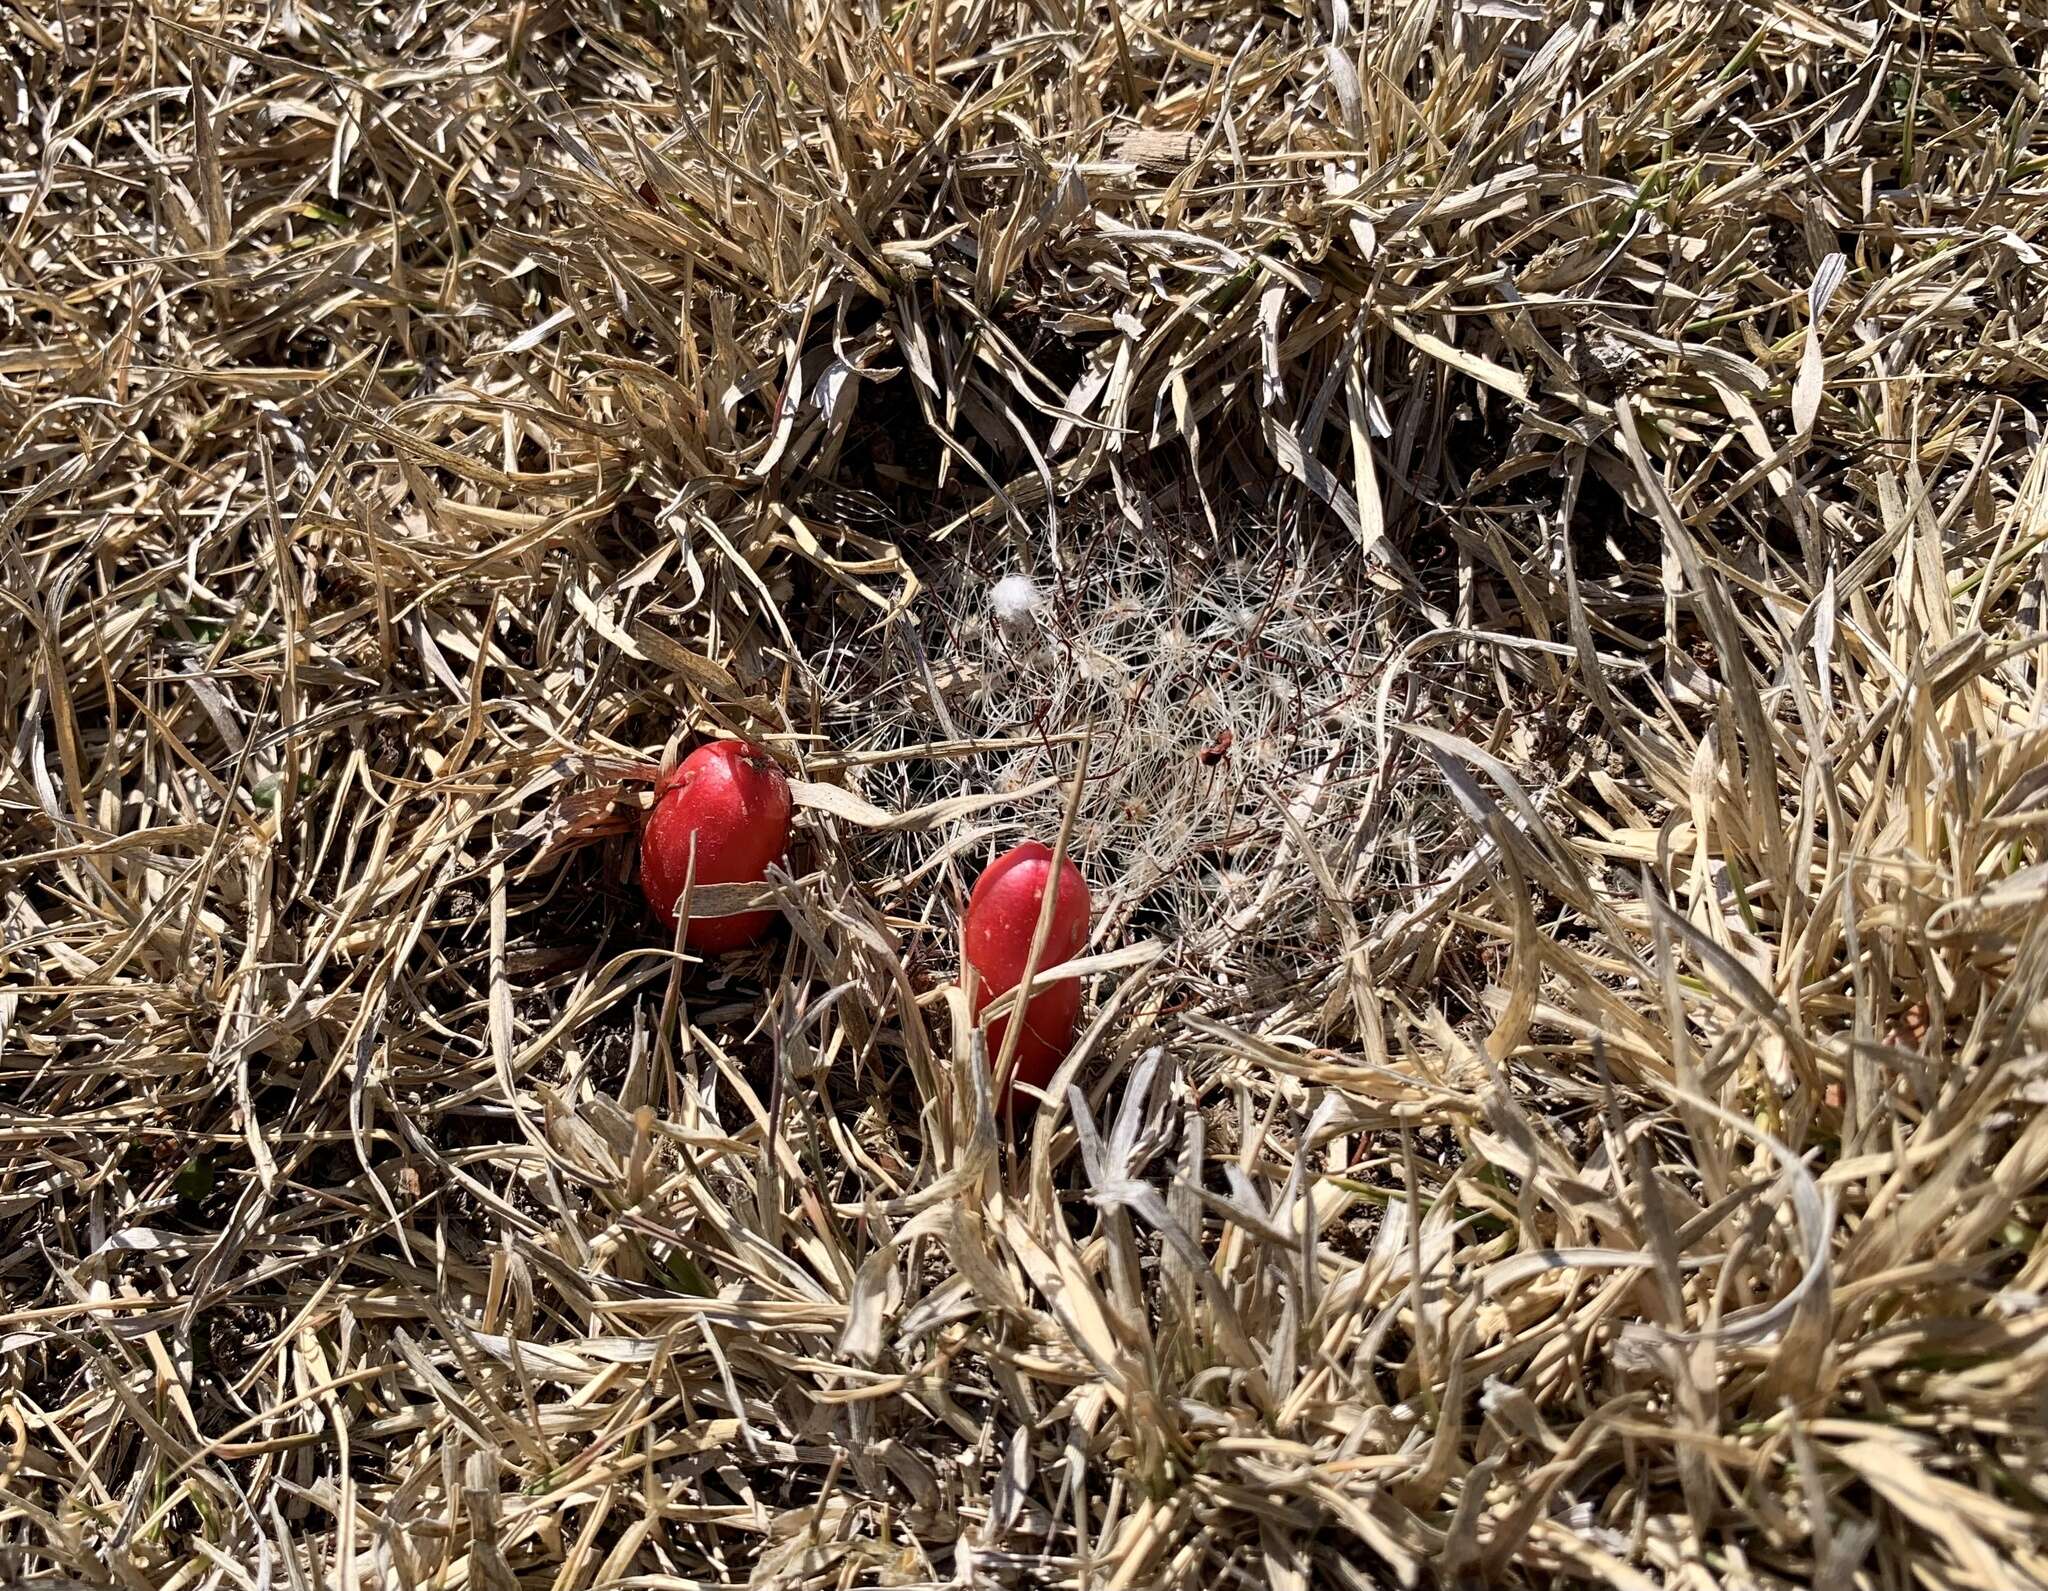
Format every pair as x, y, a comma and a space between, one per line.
1543, 531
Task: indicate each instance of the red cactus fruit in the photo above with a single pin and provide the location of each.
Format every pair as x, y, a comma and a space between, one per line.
1002, 915
730, 797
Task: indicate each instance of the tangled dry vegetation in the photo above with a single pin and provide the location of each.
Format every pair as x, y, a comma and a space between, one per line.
1542, 532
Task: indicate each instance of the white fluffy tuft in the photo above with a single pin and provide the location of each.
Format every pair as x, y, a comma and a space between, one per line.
1015, 598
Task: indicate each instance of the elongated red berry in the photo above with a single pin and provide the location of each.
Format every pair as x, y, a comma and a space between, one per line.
1002, 915
731, 798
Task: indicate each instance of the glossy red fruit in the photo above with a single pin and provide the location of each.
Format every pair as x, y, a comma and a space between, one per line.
732, 799
1002, 915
